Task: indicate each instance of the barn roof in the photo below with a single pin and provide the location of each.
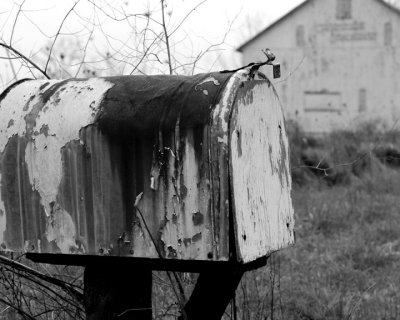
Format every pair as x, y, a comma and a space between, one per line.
293, 11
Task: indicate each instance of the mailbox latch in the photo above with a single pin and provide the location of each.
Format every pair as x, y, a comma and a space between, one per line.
276, 67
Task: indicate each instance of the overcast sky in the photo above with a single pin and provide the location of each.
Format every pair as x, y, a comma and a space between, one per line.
40, 20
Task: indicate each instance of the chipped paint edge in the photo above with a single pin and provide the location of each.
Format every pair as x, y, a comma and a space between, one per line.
43, 150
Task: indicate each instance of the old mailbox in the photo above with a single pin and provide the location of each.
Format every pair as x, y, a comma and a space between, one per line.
172, 167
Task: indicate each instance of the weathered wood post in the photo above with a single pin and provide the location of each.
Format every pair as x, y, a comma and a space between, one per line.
125, 175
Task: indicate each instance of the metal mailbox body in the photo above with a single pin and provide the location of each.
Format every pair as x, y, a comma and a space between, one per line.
208, 154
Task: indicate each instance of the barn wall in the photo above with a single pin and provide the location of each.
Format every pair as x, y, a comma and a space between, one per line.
336, 73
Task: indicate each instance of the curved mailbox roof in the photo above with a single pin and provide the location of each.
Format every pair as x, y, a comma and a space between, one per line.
75, 154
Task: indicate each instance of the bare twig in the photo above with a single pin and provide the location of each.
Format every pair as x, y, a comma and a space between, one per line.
72, 289
187, 16
166, 36
58, 33
125, 16
292, 71
84, 52
15, 21
145, 53
11, 64
18, 309
23, 57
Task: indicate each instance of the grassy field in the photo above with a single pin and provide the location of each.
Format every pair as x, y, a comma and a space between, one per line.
346, 260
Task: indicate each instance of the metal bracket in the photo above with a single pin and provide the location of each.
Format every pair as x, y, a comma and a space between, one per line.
276, 67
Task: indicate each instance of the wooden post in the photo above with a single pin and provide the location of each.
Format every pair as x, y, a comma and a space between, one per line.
212, 293
117, 292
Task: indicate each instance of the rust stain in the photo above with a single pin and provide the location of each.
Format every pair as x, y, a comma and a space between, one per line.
49, 92
198, 218
172, 254
283, 160
27, 104
44, 130
44, 85
30, 118
183, 191
197, 237
239, 143
187, 241
246, 94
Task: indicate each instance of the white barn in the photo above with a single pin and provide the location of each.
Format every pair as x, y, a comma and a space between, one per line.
340, 63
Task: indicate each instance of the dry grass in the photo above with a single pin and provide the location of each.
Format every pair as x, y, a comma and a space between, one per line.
345, 264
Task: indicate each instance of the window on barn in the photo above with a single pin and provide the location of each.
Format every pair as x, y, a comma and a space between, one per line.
388, 34
343, 9
300, 36
362, 100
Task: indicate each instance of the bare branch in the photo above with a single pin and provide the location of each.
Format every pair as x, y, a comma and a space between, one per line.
292, 71
126, 16
26, 59
144, 55
18, 309
187, 16
15, 21
58, 33
166, 36
84, 52
35, 25
11, 64
59, 283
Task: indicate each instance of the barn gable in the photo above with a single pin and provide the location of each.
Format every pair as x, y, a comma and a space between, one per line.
340, 63
294, 11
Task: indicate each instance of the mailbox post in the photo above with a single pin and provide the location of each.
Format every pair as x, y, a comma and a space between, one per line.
130, 174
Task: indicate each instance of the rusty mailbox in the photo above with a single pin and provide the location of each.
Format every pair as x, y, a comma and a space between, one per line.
182, 168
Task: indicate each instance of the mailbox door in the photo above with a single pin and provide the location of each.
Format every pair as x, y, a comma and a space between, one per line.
260, 174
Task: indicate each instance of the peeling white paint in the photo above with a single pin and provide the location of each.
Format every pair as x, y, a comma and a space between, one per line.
209, 79
260, 175
61, 229
15, 107
225, 103
73, 106
2, 217
12, 107
43, 158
